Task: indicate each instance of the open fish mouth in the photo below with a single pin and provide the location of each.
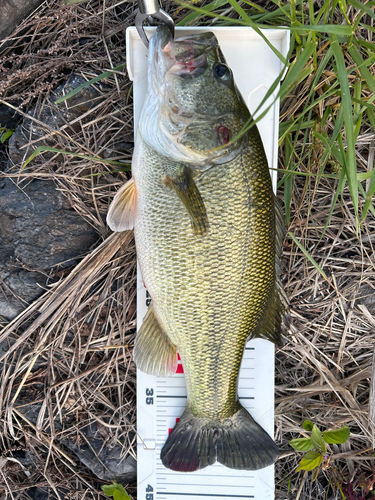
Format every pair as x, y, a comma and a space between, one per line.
185, 57
189, 56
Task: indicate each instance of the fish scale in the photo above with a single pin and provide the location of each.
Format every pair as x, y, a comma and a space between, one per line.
210, 271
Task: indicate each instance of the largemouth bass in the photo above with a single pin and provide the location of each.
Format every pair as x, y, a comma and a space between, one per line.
208, 238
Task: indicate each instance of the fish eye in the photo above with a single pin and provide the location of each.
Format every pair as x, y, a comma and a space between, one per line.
220, 70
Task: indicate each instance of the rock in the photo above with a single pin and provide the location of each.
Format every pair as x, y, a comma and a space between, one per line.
38, 230
105, 461
366, 296
13, 12
94, 447
46, 493
9, 118
120, 148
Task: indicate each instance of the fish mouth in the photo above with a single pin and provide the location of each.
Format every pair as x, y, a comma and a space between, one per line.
189, 56
185, 57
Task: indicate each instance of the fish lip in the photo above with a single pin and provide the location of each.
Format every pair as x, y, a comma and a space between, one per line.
189, 69
162, 36
158, 64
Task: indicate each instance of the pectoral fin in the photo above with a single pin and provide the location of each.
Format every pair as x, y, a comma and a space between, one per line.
121, 213
153, 352
184, 185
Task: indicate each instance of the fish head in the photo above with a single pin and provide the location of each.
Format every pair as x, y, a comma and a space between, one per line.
201, 109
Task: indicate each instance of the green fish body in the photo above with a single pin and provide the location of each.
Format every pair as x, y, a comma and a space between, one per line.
207, 235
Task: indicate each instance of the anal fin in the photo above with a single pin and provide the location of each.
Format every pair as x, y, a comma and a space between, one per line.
184, 185
153, 352
121, 213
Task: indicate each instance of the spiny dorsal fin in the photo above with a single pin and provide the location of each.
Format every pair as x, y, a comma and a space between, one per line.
184, 185
153, 352
121, 213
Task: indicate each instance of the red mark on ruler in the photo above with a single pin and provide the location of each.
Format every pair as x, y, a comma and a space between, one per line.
170, 429
180, 368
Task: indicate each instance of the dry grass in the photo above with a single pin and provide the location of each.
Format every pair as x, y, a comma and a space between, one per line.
325, 372
71, 349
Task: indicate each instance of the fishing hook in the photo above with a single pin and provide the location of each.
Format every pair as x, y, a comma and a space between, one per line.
149, 9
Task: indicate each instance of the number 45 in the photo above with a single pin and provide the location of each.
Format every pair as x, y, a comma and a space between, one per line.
149, 496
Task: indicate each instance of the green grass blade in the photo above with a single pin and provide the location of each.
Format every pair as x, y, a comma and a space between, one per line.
292, 126
253, 25
364, 7
346, 105
370, 193
339, 190
336, 29
367, 27
280, 14
40, 149
362, 176
371, 206
208, 8
364, 104
90, 82
371, 117
310, 257
308, 123
362, 67
296, 68
255, 6
288, 184
366, 45
307, 174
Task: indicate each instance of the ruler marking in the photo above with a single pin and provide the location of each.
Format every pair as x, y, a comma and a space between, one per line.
201, 481
203, 494
169, 396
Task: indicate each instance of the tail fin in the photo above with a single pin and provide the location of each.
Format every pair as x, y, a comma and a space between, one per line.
237, 442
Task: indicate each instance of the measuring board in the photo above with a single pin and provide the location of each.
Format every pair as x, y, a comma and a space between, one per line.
161, 401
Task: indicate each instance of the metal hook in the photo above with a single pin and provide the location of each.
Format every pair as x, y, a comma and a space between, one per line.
149, 9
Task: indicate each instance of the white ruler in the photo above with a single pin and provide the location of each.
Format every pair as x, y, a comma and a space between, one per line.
161, 401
